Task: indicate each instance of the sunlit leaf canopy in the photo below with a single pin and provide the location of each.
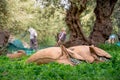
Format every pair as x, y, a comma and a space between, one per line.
53, 3
59, 3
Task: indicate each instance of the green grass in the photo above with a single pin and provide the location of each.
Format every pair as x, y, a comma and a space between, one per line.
19, 70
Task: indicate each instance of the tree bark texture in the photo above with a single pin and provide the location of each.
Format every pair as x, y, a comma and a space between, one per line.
4, 36
77, 36
103, 25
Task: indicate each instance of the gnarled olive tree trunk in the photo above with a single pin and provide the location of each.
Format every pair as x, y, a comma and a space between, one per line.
72, 19
103, 25
101, 29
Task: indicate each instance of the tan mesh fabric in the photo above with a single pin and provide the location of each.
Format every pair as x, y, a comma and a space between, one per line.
18, 54
52, 54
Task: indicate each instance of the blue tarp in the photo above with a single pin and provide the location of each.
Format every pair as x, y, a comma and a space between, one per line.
18, 45
118, 43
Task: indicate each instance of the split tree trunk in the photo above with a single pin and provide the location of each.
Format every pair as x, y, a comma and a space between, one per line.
72, 19
103, 25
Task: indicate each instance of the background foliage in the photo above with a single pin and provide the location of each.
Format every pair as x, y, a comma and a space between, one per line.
4, 15
17, 15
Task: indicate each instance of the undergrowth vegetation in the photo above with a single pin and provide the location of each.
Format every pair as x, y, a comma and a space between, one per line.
18, 69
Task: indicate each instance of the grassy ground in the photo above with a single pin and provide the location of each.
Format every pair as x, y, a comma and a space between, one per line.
19, 70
